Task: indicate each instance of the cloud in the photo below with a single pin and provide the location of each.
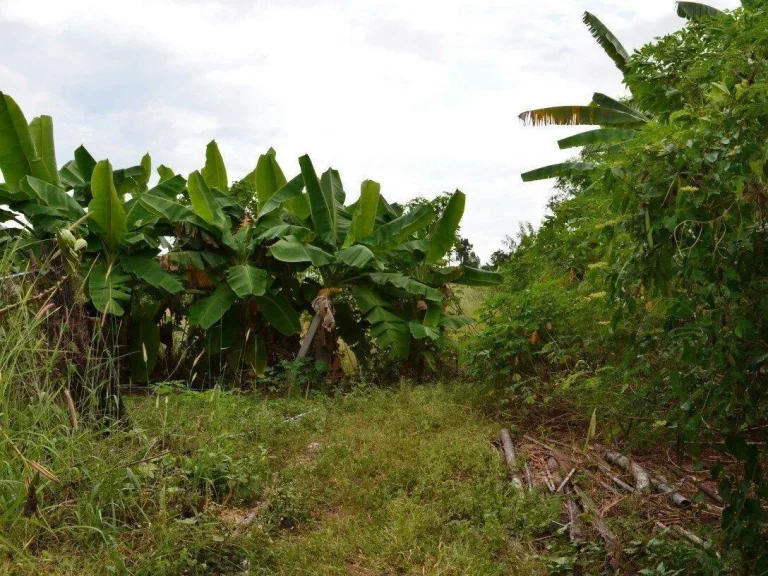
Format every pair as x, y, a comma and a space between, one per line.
421, 95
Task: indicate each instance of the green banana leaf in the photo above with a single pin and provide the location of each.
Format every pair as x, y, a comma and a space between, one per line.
41, 129
444, 233
279, 313
364, 213
106, 209
286, 251
408, 284
149, 269
144, 346
289, 191
269, 177
108, 288
693, 10
246, 280
207, 311
165, 173
330, 182
421, 331
321, 205
607, 41
52, 196
357, 256
597, 136
577, 116
203, 201
394, 232
557, 170
18, 157
214, 173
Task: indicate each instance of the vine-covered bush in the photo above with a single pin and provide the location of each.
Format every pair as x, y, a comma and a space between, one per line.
665, 220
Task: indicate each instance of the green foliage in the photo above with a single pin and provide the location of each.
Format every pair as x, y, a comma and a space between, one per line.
653, 261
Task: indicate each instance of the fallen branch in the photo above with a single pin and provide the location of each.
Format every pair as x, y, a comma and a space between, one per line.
660, 483
690, 536
642, 479
657, 481
714, 496
528, 477
509, 456
575, 529
565, 481
611, 543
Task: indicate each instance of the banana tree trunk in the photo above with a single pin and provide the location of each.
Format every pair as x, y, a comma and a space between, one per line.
309, 337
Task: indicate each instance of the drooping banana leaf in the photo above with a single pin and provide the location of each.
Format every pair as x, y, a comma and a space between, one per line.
279, 313
223, 334
605, 101
454, 322
70, 176
41, 129
476, 277
214, 173
366, 298
421, 331
18, 157
106, 209
394, 232
607, 40
557, 170
109, 288
149, 269
52, 196
357, 256
287, 232
578, 116
444, 233
246, 280
144, 345
597, 136
432, 315
289, 191
206, 312
408, 284
286, 251
693, 10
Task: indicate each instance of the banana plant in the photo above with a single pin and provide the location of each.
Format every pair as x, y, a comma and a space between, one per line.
247, 308
346, 254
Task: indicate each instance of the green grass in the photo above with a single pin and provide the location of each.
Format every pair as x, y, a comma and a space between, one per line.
374, 482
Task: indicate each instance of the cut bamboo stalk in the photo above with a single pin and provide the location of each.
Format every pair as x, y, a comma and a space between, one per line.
509, 456
714, 496
642, 479
660, 483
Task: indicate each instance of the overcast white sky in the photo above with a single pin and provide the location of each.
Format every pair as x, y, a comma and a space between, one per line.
420, 95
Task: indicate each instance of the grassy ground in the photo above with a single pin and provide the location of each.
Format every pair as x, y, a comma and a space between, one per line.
375, 482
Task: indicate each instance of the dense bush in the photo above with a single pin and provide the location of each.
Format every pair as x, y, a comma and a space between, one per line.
651, 270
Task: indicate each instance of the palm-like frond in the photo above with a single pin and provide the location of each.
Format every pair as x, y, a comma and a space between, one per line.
578, 116
598, 136
607, 40
604, 101
556, 170
693, 10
